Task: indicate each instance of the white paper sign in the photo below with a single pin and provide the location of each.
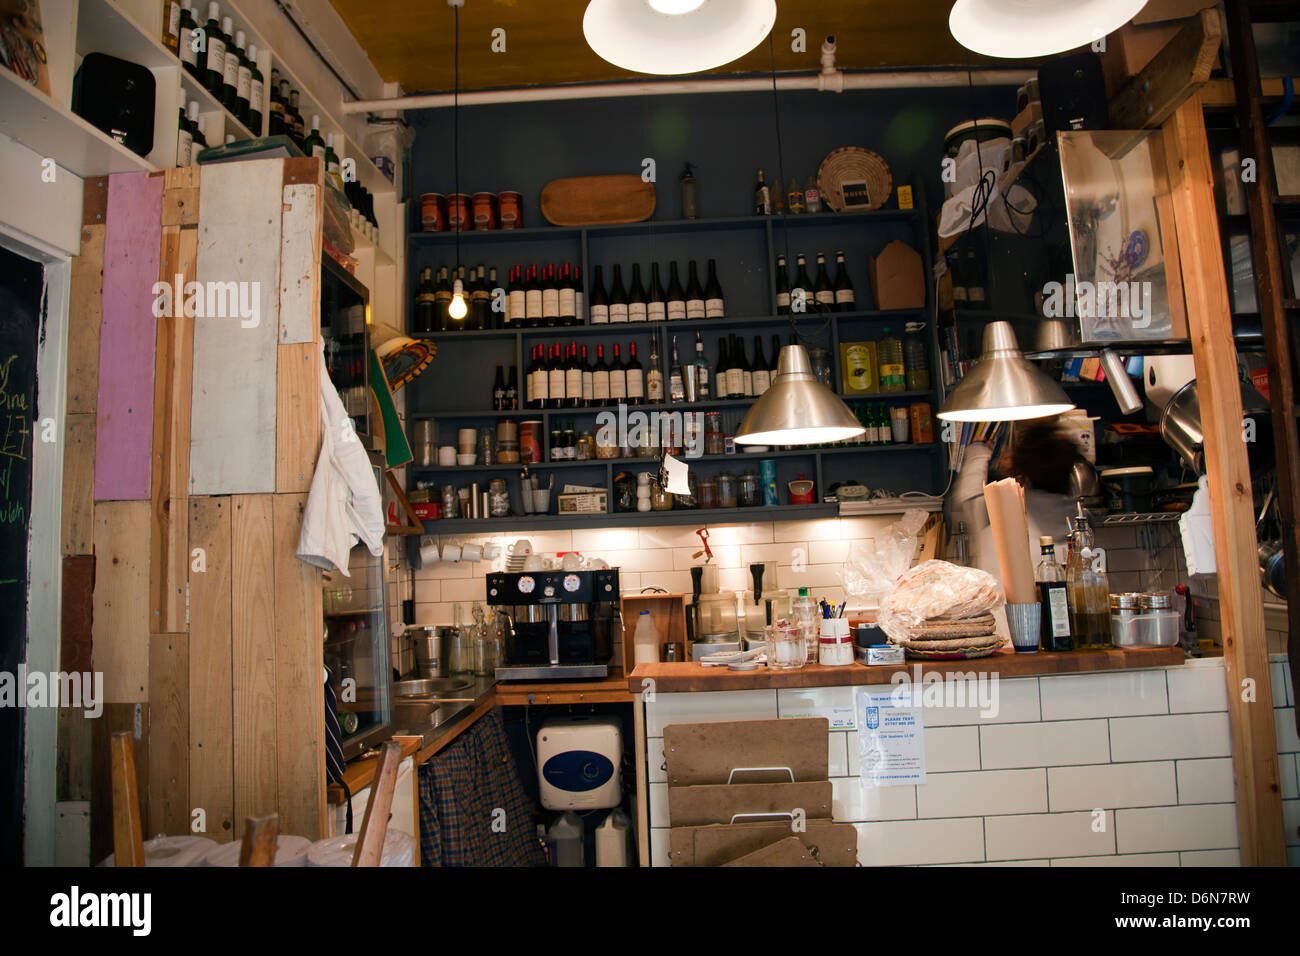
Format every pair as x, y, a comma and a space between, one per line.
891, 740
839, 715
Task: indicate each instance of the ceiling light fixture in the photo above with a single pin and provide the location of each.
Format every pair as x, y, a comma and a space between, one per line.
1016, 29
670, 37
456, 308
797, 409
1003, 386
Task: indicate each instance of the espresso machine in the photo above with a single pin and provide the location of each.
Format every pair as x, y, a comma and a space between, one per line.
562, 623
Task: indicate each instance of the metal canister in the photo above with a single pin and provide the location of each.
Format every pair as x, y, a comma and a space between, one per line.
433, 212
458, 206
485, 215
530, 441
510, 209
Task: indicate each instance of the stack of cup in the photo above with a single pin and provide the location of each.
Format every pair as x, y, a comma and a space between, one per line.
465, 439
643, 491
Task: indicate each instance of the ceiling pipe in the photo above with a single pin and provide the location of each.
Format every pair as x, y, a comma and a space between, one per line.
898, 79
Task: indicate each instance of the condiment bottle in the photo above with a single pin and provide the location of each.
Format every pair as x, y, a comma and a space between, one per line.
1089, 591
1053, 594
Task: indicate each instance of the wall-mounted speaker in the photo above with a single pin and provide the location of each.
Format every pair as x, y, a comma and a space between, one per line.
117, 97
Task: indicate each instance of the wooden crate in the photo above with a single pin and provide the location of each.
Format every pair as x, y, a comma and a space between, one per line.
668, 611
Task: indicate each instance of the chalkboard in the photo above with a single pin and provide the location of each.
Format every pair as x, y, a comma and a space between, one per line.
21, 282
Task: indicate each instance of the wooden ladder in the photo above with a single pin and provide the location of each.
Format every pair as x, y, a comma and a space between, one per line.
1279, 303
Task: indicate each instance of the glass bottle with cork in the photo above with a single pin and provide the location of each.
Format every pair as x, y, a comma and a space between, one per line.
1089, 591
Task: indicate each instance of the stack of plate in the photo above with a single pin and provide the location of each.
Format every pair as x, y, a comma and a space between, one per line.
516, 557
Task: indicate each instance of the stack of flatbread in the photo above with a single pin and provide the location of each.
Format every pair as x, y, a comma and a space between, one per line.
947, 636
941, 609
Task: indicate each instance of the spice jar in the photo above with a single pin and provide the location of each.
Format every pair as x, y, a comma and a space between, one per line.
586, 447
1157, 622
706, 493
1123, 619
726, 490
750, 494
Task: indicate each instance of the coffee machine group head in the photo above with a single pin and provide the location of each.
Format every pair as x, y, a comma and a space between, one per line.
562, 623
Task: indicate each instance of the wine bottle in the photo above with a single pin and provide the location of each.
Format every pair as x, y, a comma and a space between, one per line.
713, 305
573, 378
214, 67
184, 140
599, 301
494, 317
801, 296
550, 297
823, 291
199, 122
538, 381
721, 388
600, 378
735, 368
656, 310
556, 377
568, 301
694, 294
675, 304
745, 366
426, 304
442, 299
185, 44
229, 65
276, 121
332, 166
314, 144
782, 287
776, 358
532, 299
579, 299
654, 376
762, 197
761, 372
243, 80
676, 385
512, 389
635, 375
617, 298
481, 299
617, 376
256, 93
499, 389
636, 298
703, 374
845, 300
588, 381
514, 299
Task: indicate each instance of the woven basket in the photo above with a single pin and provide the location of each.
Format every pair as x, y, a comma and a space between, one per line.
853, 164
967, 654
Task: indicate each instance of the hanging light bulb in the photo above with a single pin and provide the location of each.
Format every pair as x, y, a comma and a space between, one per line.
457, 308
797, 409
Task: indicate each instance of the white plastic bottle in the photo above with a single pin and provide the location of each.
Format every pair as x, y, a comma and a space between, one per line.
611, 840
645, 641
565, 836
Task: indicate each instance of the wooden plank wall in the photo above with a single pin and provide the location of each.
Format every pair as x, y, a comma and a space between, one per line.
206, 625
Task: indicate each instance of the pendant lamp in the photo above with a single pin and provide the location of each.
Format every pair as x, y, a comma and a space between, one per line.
457, 308
1015, 29
797, 409
1003, 386
669, 37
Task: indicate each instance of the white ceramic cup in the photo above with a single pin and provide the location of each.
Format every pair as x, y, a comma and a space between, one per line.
523, 547
446, 456
451, 552
471, 552
491, 551
599, 564
572, 561
534, 563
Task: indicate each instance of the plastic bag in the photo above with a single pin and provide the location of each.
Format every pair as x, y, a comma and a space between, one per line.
937, 589
872, 570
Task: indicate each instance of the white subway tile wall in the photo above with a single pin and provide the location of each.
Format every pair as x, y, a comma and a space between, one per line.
1104, 769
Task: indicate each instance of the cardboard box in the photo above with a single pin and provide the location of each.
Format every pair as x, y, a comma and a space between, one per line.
898, 277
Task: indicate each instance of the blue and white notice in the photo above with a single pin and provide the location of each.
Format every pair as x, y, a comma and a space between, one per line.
891, 739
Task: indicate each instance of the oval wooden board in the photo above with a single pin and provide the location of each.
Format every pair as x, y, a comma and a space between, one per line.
590, 200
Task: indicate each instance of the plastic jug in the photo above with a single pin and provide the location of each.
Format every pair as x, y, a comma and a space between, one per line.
564, 840
645, 641
611, 840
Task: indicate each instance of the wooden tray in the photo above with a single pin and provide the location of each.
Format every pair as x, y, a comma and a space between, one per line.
592, 200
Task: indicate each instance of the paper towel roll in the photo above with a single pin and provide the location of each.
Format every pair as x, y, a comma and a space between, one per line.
289, 851
173, 851
399, 850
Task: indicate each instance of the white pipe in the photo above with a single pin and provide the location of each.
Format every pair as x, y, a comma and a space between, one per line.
593, 91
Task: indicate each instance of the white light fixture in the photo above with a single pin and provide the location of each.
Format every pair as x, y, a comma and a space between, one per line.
797, 409
669, 37
456, 308
1003, 386
1016, 29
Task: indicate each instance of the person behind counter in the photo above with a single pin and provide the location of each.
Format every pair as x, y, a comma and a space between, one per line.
1041, 458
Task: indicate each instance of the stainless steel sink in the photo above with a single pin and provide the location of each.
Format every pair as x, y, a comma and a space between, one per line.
428, 687
418, 716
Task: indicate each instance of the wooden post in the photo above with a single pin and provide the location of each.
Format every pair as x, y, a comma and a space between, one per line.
374, 828
259, 841
1245, 649
128, 840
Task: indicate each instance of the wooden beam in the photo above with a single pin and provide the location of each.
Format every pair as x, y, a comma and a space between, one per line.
79, 484
169, 733
1245, 649
128, 838
85, 316
374, 827
1176, 72
1221, 93
259, 840
121, 619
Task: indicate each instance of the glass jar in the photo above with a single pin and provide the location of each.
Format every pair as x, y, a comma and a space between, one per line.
498, 498
660, 500
706, 493
488, 651
751, 493
726, 490
461, 651
785, 647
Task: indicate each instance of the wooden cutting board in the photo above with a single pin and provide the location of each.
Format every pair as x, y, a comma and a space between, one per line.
590, 200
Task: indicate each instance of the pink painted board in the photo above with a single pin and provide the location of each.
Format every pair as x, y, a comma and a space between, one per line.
124, 424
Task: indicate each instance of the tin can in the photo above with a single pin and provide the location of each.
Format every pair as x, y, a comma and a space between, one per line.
767, 480
484, 206
433, 212
922, 423
530, 441
458, 206
510, 210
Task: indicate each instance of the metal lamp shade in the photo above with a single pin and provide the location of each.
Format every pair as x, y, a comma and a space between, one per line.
797, 409
1015, 29
667, 37
1003, 386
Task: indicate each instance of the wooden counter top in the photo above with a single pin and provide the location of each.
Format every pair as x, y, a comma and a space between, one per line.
689, 676
359, 774
605, 690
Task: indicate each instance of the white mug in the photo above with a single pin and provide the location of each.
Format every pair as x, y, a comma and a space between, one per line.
572, 561
599, 564
534, 563
471, 552
521, 548
446, 456
491, 551
451, 552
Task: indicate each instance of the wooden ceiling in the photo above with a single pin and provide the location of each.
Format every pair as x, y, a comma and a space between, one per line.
410, 41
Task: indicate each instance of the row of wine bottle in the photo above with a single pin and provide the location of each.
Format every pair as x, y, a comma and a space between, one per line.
226, 68
566, 376
814, 295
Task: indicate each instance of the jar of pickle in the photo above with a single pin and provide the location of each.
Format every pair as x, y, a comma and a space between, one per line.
750, 494
726, 490
706, 493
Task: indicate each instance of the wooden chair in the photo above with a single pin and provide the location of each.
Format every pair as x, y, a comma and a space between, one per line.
374, 828
128, 834
257, 848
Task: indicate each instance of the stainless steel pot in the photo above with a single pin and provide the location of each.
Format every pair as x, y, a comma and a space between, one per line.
1180, 426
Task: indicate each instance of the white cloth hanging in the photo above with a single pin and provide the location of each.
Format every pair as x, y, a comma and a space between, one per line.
345, 505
